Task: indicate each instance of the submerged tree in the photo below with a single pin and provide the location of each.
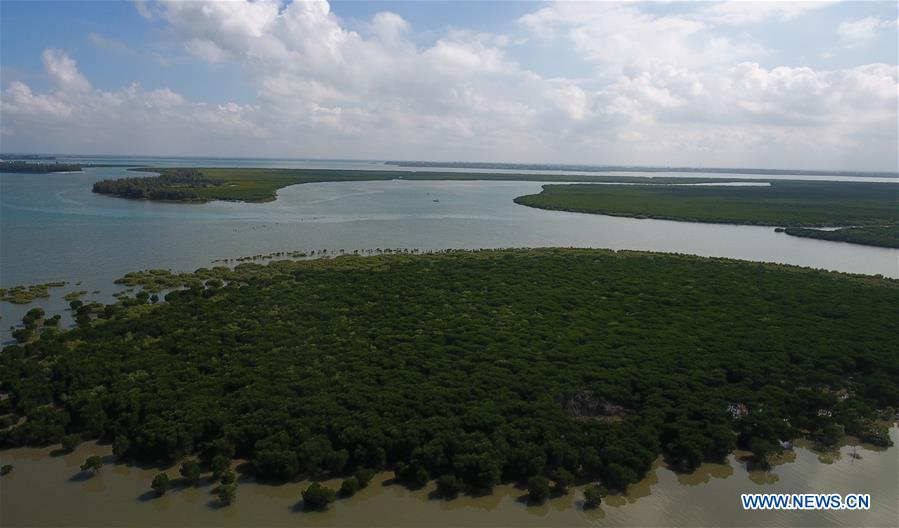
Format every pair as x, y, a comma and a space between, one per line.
592, 496
538, 489
161, 484
92, 464
317, 497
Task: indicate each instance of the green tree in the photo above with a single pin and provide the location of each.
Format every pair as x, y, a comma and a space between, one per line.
349, 487
220, 464
190, 471
6, 469
227, 493
120, 445
592, 496
364, 476
70, 442
760, 449
161, 484
92, 464
538, 489
449, 486
317, 497
562, 480
228, 477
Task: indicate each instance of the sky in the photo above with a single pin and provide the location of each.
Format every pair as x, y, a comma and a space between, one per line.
802, 85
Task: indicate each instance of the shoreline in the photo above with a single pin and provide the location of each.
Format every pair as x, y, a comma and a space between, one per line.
125, 493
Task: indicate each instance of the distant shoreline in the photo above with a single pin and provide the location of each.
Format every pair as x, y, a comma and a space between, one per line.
637, 168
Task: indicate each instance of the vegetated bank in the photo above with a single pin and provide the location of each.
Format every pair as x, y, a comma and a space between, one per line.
474, 367
28, 166
883, 236
793, 204
262, 184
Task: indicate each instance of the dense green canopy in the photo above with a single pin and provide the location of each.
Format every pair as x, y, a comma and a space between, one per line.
30, 166
490, 366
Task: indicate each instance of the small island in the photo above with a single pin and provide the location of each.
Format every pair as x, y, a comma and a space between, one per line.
545, 367
179, 185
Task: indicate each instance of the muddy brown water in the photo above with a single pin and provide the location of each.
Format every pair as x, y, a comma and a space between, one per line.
46, 490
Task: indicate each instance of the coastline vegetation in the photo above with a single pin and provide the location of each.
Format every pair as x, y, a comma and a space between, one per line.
883, 236
631, 168
181, 185
262, 184
29, 167
472, 368
27, 294
794, 204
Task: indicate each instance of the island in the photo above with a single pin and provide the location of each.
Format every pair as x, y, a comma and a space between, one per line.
261, 184
798, 206
29, 166
474, 368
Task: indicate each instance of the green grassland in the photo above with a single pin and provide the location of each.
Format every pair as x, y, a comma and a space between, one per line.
486, 366
783, 203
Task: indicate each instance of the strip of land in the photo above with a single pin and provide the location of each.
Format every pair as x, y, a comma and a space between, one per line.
473, 367
631, 168
29, 166
262, 184
883, 236
873, 208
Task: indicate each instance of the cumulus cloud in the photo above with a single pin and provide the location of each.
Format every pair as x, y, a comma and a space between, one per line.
664, 89
623, 38
63, 71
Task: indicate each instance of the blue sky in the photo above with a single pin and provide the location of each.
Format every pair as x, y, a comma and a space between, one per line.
760, 84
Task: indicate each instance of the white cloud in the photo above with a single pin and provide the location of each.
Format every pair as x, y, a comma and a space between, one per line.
622, 37
63, 71
664, 90
740, 12
855, 33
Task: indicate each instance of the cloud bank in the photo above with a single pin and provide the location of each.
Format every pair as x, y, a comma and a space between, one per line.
657, 89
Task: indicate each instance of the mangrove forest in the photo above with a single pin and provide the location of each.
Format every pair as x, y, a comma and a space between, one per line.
471, 367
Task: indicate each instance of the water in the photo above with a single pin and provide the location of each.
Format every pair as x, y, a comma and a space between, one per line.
50, 491
52, 228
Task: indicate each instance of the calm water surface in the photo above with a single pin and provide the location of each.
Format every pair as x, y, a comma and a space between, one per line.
52, 228
50, 491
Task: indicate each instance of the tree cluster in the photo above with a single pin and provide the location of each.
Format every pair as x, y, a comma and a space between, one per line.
463, 367
172, 184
